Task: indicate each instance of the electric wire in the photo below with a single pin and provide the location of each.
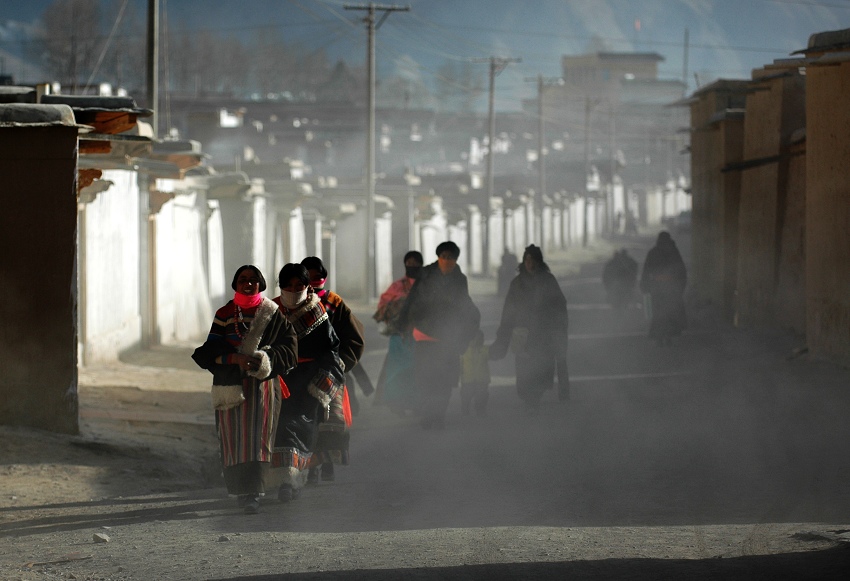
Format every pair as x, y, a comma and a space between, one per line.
105, 47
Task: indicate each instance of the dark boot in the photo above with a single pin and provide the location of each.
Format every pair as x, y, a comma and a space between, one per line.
288, 493
252, 504
313, 476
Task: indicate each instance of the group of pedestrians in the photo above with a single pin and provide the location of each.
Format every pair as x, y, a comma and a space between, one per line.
662, 283
436, 337
279, 383
282, 368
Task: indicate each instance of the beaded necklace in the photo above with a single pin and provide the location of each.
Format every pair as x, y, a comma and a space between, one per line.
241, 321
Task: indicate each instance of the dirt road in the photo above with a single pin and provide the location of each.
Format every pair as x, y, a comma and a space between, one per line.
718, 458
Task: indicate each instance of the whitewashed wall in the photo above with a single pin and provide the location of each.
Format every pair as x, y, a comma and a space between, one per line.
457, 233
600, 214
565, 224
654, 207
433, 231
184, 310
530, 234
495, 223
517, 228
297, 238
474, 235
218, 282
383, 251
577, 220
263, 228
548, 242
109, 276
351, 255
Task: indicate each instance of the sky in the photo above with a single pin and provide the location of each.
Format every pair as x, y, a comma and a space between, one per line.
726, 38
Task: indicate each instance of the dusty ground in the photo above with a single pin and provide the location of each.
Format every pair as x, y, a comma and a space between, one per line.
117, 453
652, 471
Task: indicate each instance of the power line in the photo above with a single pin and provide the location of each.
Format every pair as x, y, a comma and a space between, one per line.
516, 32
106, 45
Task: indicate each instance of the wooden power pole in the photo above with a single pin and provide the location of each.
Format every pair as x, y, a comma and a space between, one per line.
371, 27
153, 62
497, 65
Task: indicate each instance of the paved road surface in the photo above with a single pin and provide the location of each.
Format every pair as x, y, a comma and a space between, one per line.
716, 458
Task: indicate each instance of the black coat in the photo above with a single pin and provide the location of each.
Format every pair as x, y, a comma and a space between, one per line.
278, 341
534, 302
664, 277
439, 305
664, 270
321, 348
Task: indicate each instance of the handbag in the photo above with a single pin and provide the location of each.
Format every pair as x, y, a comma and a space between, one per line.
519, 338
225, 397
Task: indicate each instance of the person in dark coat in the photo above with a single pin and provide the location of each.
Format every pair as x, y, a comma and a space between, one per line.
534, 326
333, 444
443, 320
619, 277
507, 271
312, 386
664, 278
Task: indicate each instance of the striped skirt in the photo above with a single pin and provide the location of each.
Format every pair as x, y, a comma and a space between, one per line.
247, 432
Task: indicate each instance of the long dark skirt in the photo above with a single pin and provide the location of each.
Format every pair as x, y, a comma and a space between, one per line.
669, 318
437, 373
535, 373
297, 432
334, 436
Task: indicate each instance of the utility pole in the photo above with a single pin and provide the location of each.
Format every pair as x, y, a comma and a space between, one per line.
371, 28
685, 64
611, 198
541, 186
153, 62
587, 108
542, 82
497, 65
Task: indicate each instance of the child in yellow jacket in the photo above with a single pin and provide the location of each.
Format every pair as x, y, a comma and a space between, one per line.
475, 376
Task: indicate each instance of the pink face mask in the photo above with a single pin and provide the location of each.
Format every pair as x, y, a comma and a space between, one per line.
247, 301
319, 286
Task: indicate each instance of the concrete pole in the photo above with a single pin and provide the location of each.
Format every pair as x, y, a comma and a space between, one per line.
370, 160
371, 276
153, 62
611, 194
541, 160
496, 66
685, 64
491, 139
586, 169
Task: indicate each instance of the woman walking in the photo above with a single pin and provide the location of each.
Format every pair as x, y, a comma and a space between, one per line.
664, 278
534, 326
395, 384
334, 435
443, 320
312, 385
249, 345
